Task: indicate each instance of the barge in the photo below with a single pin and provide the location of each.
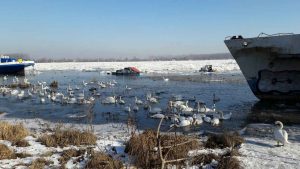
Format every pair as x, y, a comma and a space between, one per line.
270, 64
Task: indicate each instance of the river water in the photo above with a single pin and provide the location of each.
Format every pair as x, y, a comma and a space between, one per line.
235, 95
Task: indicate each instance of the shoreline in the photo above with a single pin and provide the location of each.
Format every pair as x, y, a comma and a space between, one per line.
257, 152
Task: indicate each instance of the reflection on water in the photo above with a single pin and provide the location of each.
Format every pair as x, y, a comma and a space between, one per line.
235, 97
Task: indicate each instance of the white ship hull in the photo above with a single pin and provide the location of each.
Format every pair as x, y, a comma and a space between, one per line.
270, 64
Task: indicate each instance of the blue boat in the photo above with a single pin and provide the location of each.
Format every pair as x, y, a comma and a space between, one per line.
13, 66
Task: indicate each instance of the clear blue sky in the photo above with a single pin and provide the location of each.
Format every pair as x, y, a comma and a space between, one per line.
127, 28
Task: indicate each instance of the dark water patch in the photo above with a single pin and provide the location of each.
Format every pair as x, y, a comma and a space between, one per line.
269, 112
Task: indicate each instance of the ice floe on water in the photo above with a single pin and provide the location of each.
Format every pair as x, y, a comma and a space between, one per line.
145, 66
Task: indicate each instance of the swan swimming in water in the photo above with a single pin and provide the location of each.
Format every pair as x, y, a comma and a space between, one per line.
154, 110
183, 122
127, 109
109, 100
121, 101
197, 119
215, 121
220, 115
137, 101
158, 116
166, 79
280, 135
207, 119
185, 109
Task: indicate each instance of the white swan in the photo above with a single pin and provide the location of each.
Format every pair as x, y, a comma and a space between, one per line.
71, 100
177, 104
183, 123
77, 88
185, 109
89, 101
127, 109
69, 88
207, 119
127, 88
154, 110
102, 85
5, 78
137, 101
21, 94
84, 83
215, 121
200, 107
151, 99
26, 82
80, 96
280, 135
53, 98
158, 116
221, 115
197, 119
121, 101
14, 92
109, 100
42, 100
166, 79
29, 93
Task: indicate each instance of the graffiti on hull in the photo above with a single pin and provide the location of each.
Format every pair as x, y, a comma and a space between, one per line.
278, 81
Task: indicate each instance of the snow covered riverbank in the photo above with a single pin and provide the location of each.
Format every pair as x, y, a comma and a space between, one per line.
256, 152
145, 66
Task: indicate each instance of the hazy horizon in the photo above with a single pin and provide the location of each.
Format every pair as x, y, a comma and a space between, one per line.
136, 28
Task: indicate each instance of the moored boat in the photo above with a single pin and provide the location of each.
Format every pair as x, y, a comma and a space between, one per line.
270, 64
13, 66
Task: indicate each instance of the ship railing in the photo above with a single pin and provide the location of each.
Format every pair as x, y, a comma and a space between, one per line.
262, 34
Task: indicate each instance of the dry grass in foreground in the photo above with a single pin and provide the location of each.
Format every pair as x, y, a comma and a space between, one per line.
12, 133
143, 146
226, 161
103, 161
6, 153
68, 154
224, 140
39, 163
21, 143
65, 137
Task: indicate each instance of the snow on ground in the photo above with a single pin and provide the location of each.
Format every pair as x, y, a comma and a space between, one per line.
259, 150
145, 66
109, 135
261, 153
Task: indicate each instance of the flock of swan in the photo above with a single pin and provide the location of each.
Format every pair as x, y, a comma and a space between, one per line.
178, 110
